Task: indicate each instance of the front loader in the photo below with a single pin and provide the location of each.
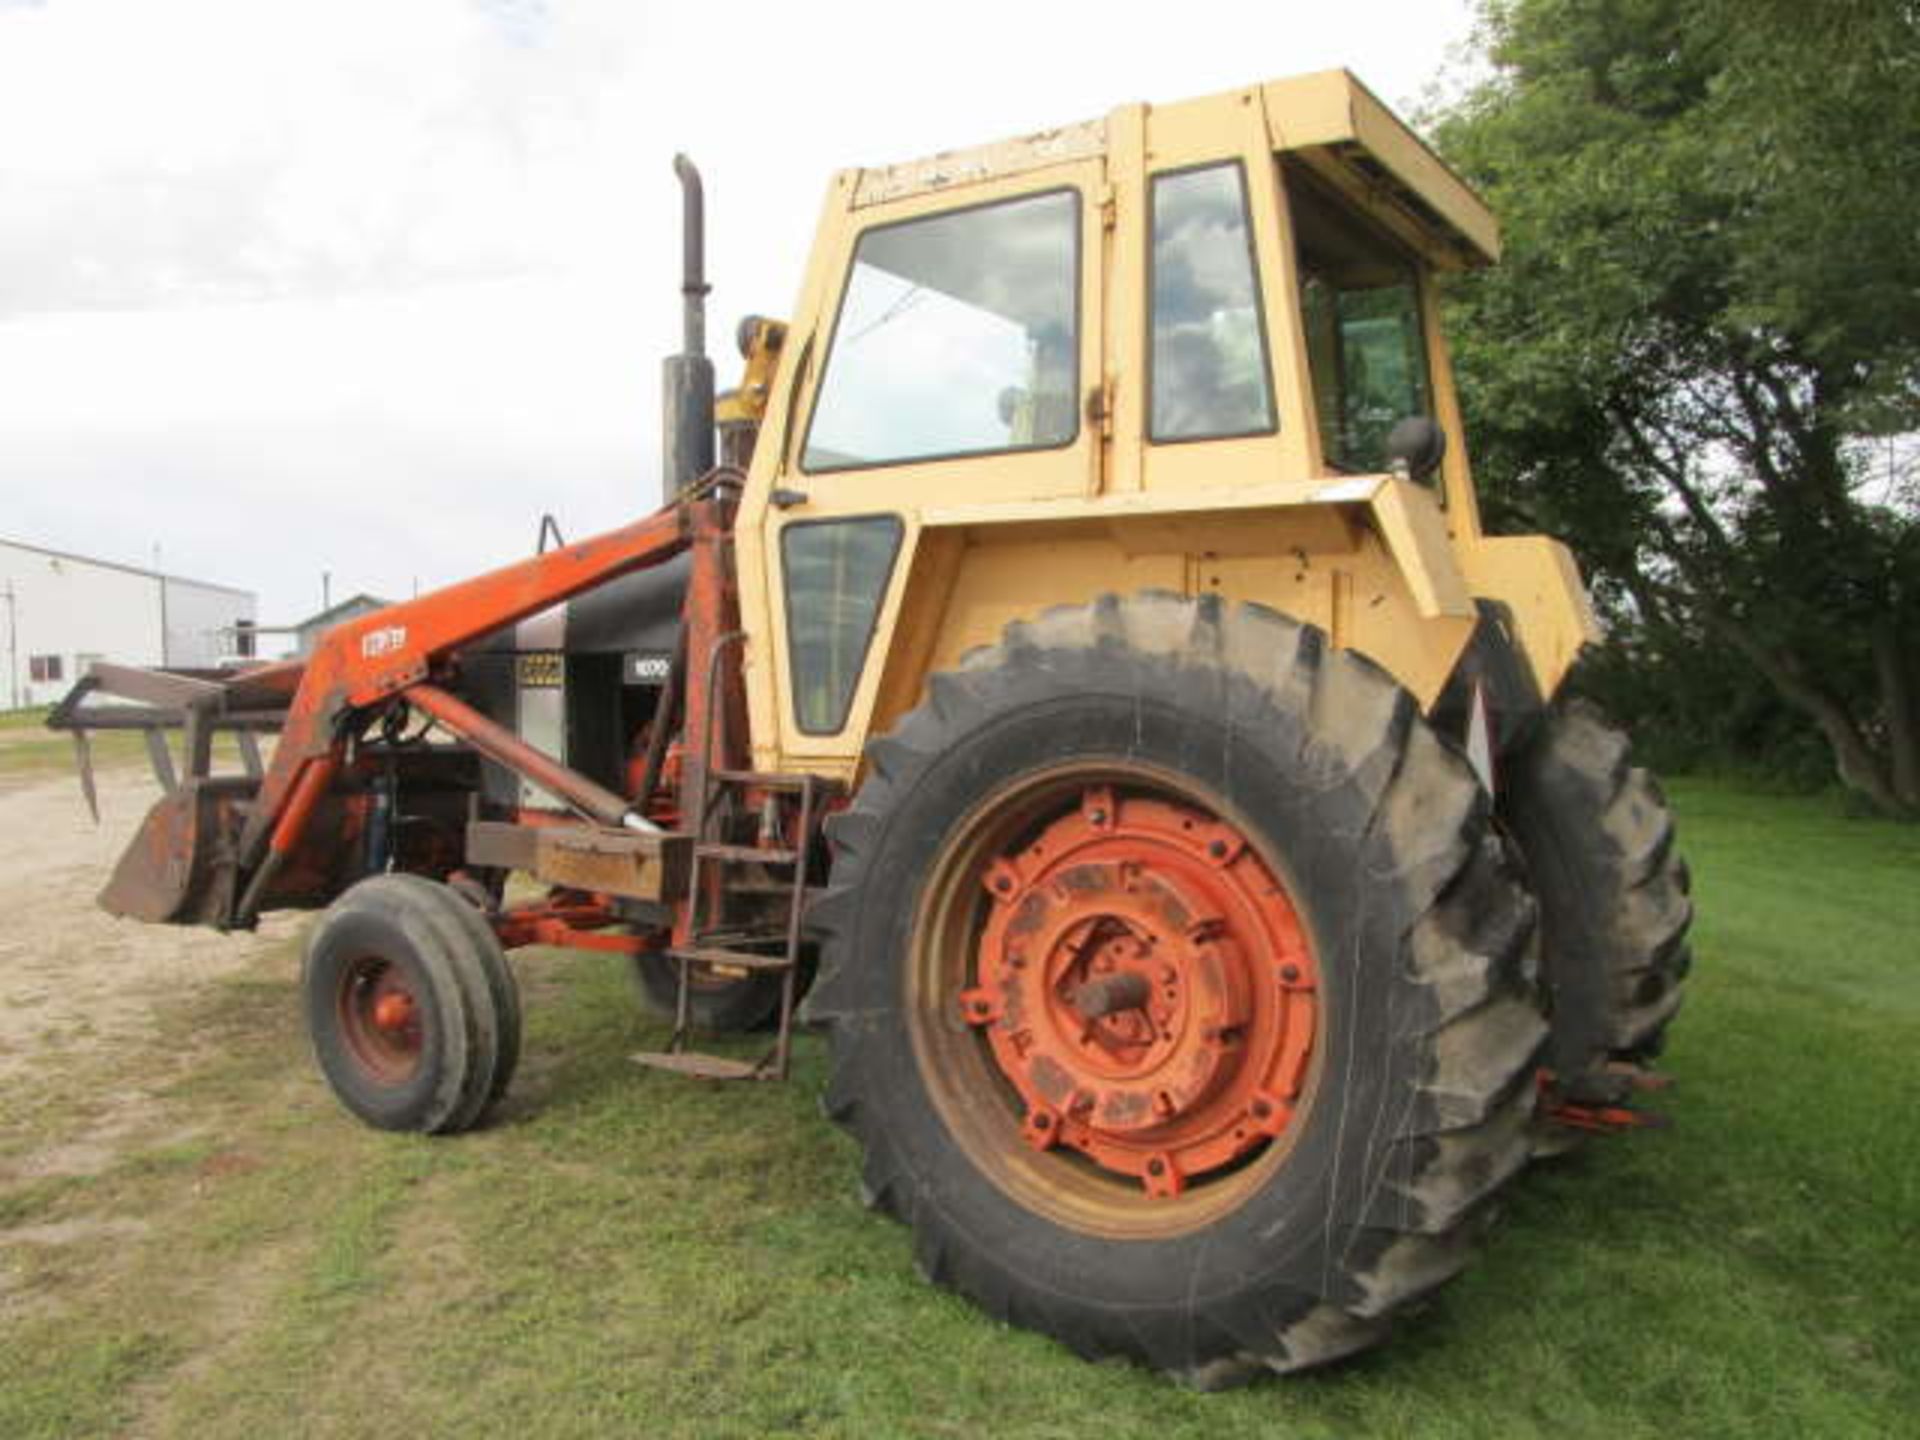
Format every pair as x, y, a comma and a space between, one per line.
1220, 902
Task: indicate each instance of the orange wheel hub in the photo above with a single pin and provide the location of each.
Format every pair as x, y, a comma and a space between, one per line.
393, 1011
380, 1020
1145, 984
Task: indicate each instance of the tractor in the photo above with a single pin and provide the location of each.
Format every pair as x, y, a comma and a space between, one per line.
1069, 669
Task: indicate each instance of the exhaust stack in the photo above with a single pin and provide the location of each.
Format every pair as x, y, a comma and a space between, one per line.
686, 429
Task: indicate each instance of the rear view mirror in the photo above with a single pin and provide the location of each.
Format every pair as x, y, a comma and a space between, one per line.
1418, 445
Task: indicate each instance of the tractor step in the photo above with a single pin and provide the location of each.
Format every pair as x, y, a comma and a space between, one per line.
704, 1067
745, 854
771, 885
761, 779
736, 959
747, 939
710, 936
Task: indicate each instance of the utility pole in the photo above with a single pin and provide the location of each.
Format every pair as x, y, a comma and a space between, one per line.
161, 581
326, 591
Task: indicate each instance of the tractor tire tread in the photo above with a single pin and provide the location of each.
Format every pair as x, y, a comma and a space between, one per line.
1469, 960
1615, 893
467, 1056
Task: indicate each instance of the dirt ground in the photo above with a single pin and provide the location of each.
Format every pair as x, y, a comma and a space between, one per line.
74, 980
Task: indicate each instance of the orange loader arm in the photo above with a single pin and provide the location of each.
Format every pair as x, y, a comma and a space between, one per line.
210, 849
396, 651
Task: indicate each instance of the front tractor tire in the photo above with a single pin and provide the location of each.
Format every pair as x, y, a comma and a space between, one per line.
411, 1006
1180, 994
1598, 841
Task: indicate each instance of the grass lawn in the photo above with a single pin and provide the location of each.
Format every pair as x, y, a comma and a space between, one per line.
30, 751
631, 1253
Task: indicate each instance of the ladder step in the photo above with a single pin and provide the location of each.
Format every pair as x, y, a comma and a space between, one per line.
738, 959
701, 1067
741, 939
769, 885
744, 854
768, 779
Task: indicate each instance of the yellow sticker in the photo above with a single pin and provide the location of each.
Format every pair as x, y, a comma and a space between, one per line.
542, 670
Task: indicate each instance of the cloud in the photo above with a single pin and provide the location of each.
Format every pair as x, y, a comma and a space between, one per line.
386, 438
162, 151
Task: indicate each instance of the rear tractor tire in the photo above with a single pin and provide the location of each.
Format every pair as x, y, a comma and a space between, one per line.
1180, 994
410, 1005
1598, 841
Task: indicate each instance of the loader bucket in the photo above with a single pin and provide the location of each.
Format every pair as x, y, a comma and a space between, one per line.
181, 865
179, 868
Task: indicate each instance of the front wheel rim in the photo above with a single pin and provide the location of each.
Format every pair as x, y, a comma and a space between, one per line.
381, 1020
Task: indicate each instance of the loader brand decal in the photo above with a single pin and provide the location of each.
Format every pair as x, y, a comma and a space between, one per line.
640, 667
384, 641
542, 670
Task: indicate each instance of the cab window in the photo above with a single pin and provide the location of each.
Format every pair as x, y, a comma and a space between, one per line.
836, 575
1360, 307
1209, 360
958, 334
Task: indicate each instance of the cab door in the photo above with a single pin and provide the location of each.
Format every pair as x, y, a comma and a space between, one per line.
1215, 388
953, 350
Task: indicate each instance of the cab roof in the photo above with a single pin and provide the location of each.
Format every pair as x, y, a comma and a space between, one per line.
1327, 122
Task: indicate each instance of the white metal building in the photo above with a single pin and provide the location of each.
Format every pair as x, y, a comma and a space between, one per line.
308, 632
60, 612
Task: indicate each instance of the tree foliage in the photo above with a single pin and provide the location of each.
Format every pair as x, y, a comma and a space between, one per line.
1702, 345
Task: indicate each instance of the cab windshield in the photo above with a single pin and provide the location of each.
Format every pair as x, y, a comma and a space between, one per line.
957, 336
1360, 306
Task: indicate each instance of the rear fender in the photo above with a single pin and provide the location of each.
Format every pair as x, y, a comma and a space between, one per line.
1367, 559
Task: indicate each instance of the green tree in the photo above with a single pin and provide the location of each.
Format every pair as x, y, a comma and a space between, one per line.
1705, 335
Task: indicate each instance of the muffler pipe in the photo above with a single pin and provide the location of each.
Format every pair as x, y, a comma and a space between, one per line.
686, 427
693, 257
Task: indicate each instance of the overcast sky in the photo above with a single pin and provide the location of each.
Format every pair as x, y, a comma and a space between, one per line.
366, 285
